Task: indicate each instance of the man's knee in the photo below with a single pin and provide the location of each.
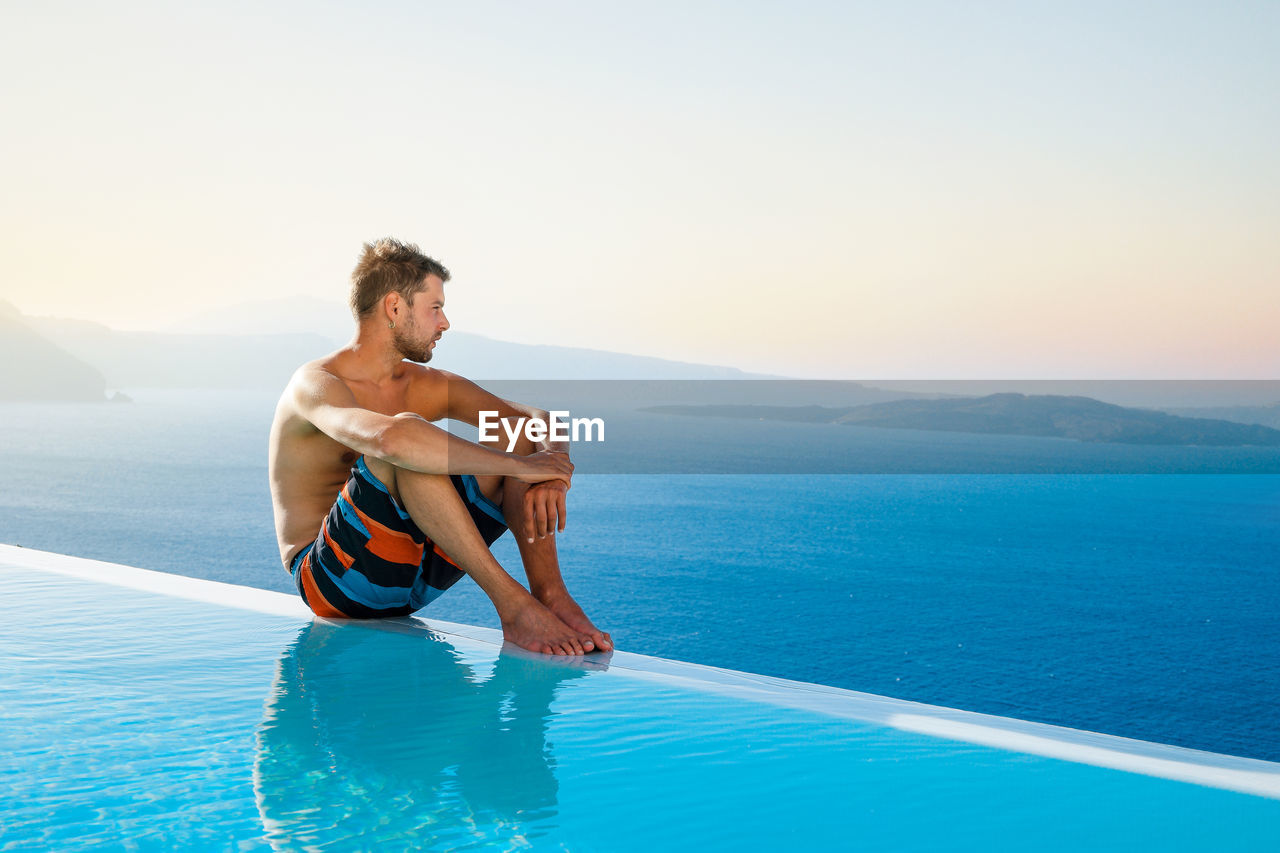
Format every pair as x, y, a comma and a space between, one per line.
386, 473
491, 486
396, 478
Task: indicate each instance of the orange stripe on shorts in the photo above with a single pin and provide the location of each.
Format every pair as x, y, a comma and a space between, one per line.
394, 546
395, 550
318, 603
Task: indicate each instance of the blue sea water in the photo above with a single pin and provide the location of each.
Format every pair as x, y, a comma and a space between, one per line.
1134, 604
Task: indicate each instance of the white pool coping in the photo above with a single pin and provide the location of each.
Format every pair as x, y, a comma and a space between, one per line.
1215, 770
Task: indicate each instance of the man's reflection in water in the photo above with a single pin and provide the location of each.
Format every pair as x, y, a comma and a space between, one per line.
382, 733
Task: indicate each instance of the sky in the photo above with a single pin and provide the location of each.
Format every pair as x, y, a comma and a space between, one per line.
834, 190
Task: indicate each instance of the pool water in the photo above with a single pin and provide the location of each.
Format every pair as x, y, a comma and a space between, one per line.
146, 711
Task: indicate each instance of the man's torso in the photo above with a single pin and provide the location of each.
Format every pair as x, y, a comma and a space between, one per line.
308, 468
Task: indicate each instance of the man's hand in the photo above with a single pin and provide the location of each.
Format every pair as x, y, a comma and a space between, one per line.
544, 508
544, 466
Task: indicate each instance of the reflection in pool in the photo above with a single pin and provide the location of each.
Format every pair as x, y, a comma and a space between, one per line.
389, 734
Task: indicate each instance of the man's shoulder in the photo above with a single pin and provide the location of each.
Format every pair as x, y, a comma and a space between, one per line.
313, 382
429, 390
432, 375
326, 368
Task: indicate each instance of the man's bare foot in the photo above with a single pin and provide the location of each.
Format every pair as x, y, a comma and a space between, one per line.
561, 603
532, 626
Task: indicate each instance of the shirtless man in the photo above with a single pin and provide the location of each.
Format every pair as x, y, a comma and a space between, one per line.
377, 510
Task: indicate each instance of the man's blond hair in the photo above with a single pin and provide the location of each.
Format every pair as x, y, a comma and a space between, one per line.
389, 266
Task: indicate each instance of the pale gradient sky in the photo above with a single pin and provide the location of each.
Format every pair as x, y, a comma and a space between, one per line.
822, 189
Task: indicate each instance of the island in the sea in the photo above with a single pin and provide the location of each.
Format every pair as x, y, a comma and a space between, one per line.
1050, 415
37, 369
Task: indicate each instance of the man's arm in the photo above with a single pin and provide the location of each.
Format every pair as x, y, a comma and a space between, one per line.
407, 440
466, 400
545, 509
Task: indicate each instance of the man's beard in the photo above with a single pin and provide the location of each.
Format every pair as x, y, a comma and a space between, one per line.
419, 352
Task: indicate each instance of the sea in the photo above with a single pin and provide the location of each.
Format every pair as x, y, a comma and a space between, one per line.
1131, 591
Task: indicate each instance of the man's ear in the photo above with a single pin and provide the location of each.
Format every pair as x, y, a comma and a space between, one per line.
392, 304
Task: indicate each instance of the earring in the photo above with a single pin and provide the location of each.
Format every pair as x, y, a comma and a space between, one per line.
391, 325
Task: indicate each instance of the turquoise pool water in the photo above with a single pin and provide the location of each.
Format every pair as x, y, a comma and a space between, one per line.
152, 712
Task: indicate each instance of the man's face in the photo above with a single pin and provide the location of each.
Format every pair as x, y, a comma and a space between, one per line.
415, 336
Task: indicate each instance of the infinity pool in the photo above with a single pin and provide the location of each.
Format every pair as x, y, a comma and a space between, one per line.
148, 711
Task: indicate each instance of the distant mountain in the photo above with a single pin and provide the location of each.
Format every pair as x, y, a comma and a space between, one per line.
1079, 418
37, 369
471, 355
269, 340
294, 315
1265, 415
478, 357
159, 360
1177, 396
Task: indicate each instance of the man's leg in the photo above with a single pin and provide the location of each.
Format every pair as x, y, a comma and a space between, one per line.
434, 505
540, 558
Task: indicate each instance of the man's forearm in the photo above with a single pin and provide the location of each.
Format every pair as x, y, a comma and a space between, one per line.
416, 444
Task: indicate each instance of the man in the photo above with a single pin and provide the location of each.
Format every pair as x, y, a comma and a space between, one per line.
377, 510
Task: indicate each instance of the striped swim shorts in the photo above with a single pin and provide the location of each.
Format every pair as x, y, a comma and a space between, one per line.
371, 561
